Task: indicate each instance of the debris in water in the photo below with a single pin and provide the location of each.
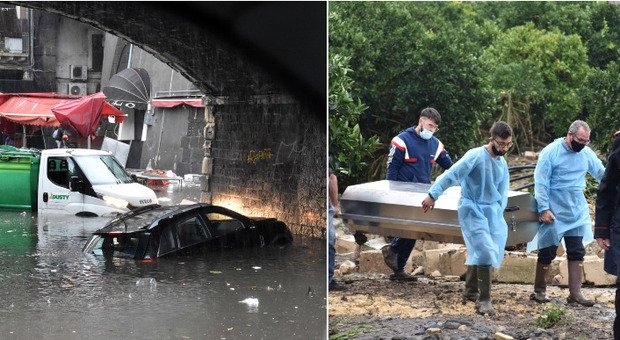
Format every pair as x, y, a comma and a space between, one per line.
256, 268
215, 272
250, 301
252, 304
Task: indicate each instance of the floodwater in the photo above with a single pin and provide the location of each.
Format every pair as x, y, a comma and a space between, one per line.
50, 289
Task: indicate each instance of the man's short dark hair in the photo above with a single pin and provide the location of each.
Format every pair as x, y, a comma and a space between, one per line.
431, 113
501, 129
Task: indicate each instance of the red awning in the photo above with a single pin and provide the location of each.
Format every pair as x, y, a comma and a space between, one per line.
36, 108
81, 116
172, 102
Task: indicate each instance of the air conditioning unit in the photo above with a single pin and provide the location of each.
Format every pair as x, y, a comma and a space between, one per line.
78, 72
76, 89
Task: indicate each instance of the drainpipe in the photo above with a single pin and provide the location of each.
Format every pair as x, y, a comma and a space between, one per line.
130, 55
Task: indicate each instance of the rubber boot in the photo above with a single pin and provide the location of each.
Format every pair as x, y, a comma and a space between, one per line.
483, 304
540, 284
575, 275
471, 284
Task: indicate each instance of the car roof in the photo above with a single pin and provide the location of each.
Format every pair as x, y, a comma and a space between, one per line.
144, 217
148, 217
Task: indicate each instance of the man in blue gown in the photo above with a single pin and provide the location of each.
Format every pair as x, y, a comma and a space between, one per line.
559, 181
483, 176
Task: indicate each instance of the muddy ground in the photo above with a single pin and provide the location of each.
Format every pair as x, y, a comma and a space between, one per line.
373, 307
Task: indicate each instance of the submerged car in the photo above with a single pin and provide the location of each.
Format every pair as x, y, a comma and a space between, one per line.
155, 231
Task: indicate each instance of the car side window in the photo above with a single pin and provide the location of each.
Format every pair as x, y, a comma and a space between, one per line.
167, 240
191, 231
223, 224
60, 170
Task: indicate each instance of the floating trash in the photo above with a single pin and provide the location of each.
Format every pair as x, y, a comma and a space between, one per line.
215, 272
257, 268
252, 304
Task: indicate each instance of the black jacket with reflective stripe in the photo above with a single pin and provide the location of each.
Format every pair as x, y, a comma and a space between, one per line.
608, 195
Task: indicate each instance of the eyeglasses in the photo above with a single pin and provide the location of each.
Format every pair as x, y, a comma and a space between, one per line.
431, 127
503, 145
584, 142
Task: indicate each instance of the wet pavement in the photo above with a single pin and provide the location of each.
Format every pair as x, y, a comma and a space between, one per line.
50, 289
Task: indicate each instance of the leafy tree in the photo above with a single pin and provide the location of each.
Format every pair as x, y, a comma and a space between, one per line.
347, 147
409, 56
541, 73
602, 98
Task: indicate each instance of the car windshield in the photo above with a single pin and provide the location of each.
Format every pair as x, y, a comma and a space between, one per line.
102, 169
118, 245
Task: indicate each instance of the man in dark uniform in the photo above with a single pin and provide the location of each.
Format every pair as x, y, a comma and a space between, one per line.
607, 220
412, 155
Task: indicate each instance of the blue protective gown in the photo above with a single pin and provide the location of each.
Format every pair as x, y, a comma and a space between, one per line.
484, 184
559, 181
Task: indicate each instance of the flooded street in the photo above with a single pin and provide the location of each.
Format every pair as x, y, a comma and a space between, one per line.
50, 289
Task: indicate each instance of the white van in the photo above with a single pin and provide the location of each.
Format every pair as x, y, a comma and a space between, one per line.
88, 182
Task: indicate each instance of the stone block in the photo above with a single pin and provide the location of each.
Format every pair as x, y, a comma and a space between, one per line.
347, 267
209, 117
517, 268
209, 131
457, 261
530, 155
594, 273
448, 261
371, 261
562, 277
207, 166
345, 244
417, 259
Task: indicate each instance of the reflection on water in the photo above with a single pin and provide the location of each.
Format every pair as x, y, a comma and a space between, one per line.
50, 289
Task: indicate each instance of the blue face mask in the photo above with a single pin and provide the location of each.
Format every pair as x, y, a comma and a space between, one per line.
425, 134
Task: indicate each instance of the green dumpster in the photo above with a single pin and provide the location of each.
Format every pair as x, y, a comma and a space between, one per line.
19, 177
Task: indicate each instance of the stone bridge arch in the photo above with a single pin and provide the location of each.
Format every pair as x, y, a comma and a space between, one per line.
262, 66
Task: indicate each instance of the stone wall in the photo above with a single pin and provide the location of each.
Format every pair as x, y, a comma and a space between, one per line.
192, 143
268, 159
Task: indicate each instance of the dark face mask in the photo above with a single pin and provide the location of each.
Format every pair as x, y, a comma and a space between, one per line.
576, 146
497, 152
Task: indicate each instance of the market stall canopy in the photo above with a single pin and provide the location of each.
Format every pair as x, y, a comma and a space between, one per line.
36, 108
172, 102
130, 88
81, 117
